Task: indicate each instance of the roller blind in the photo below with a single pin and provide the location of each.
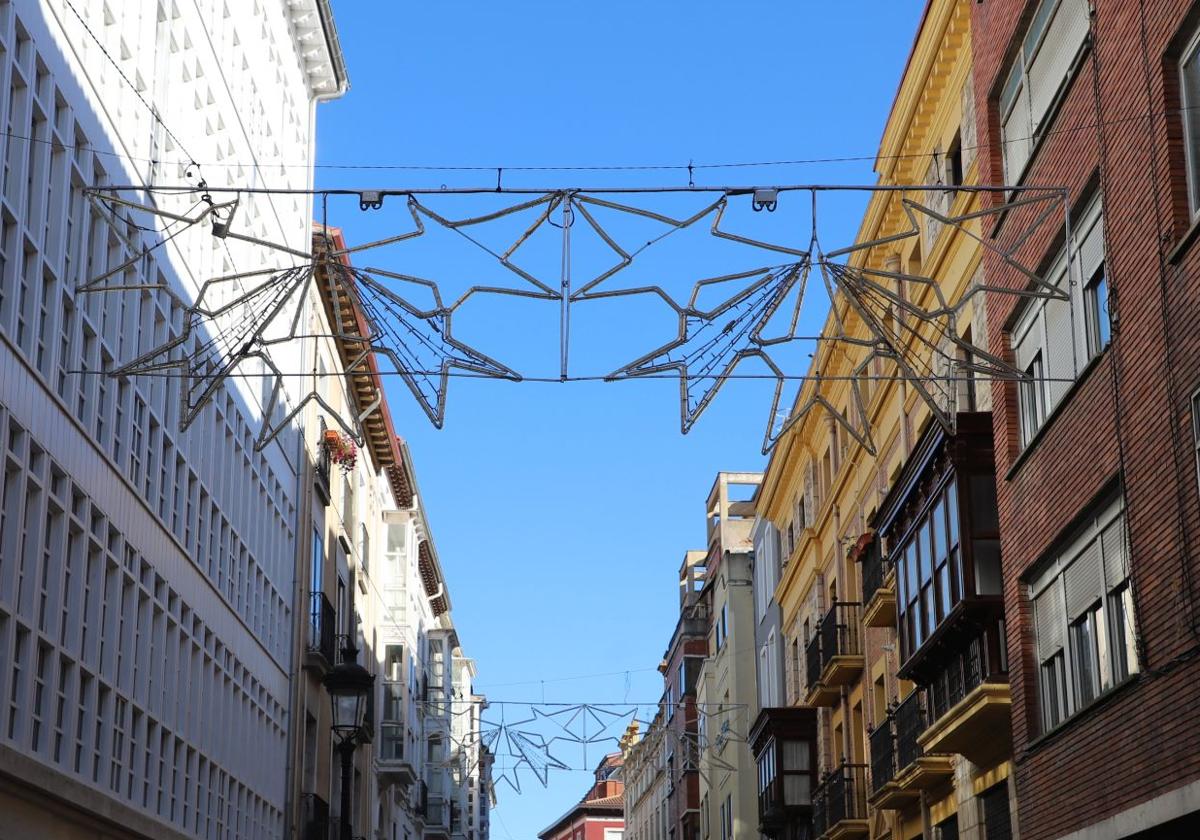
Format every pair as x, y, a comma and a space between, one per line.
1051, 62
1116, 553
1049, 620
1060, 349
1016, 132
1027, 336
1090, 237
1083, 580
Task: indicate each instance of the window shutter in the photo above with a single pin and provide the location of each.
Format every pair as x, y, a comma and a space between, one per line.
1060, 349
1083, 580
1049, 620
1063, 39
1114, 545
1027, 337
1015, 134
809, 501
966, 132
1091, 241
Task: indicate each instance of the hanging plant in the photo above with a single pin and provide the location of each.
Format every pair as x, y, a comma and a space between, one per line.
341, 449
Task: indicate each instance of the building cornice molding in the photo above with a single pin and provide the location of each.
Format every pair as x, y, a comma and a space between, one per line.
315, 37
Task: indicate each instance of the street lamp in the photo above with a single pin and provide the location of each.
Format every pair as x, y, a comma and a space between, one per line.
348, 685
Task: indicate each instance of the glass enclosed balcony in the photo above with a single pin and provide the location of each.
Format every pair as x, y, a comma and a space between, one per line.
783, 741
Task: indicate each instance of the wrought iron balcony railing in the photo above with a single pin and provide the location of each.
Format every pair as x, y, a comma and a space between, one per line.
812, 660
910, 721
315, 823
841, 796
874, 570
840, 634
321, 619
883, 754
963, 672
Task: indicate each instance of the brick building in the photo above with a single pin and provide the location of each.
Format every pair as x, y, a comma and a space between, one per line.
1096, 460
600, 815
680, 666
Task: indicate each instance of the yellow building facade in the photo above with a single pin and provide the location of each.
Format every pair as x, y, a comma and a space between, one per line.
833, 487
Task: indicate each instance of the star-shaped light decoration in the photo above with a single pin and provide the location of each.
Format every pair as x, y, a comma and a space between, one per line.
711, 343
517, 745
246, 316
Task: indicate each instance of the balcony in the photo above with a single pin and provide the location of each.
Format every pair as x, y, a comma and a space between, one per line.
840, 804
392, 765
969, 702
320, 649
321, 475
783, 742
834, 656
879, 587
900, 768
314, 818
437, 811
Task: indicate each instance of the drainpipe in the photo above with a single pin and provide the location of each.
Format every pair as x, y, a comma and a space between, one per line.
289, 823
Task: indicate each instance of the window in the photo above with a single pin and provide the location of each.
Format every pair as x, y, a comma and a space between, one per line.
1033, 406
1196, 430
929, 569
797, 772
1053, 338
1098, 322
1083, 617
1189, 94
1037, 78
318, 562
721, 627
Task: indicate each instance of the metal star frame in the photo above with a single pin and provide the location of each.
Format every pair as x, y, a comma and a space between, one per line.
537, 738
233, 319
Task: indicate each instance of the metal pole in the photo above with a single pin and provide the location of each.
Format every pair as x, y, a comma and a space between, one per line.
564, 323
346, 748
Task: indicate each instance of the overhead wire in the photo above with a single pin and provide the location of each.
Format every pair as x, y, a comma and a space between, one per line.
664, 167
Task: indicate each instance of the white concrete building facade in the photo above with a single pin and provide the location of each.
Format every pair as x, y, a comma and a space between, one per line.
146, 574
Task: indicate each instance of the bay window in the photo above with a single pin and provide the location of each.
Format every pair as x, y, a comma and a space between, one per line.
930, 571
1038, 76
1053, 338
1083, 616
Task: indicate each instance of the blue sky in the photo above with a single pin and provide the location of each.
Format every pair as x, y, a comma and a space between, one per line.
561, 512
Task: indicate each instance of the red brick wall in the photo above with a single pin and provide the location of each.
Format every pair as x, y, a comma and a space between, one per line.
1145, 739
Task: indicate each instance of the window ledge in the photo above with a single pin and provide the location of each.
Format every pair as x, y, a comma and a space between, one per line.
1047, 738
1180, 249
1067, 398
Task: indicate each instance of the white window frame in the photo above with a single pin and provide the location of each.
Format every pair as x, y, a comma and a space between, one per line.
1191, 126
1096, 315
1049, 582
1030, 336
1196, 431
1017, 90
